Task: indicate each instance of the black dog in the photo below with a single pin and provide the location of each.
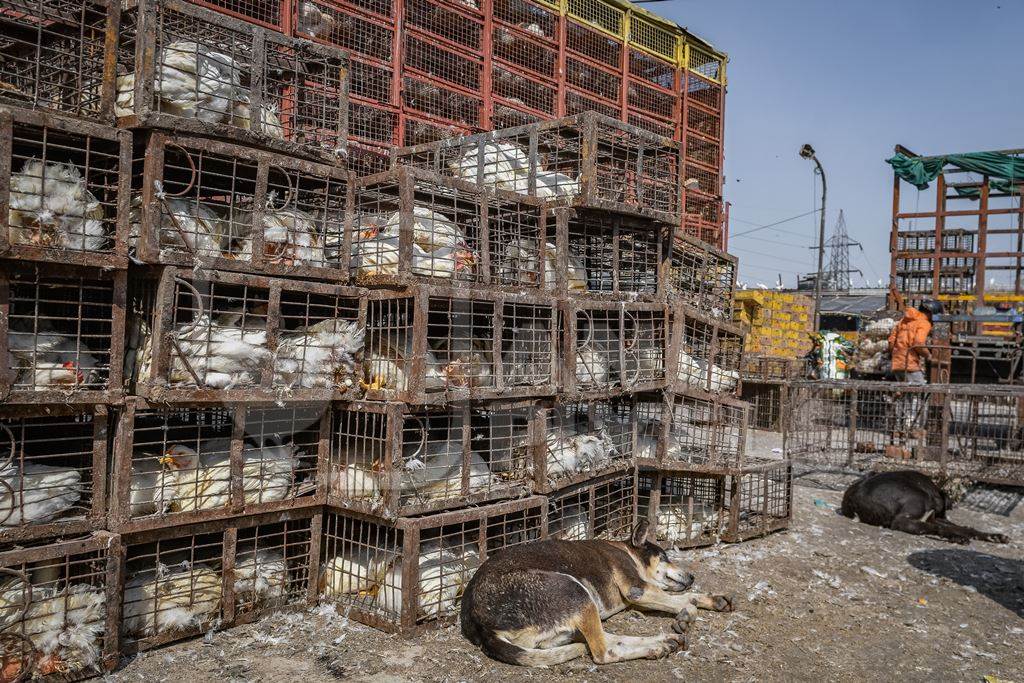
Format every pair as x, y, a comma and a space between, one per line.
907, 501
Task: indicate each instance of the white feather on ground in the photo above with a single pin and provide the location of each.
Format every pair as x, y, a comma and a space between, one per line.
37, 493
322, 355
51, 206
168, 599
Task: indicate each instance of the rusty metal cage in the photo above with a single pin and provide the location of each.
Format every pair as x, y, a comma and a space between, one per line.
58, 54
191, 463
703, 276
373, 125
760, 500
186, 580
613, 347
53, 465
587, 160
61, 333
767, 403
416, 129
254, 84
774, 368
433, 345
970, 431
201, 202
409, 574
602, 253
221, 336
390, 460
581, 440
366, 30
704, 432
685, 509
62, 189
412, 225
270, 13
708, 352
604, 508
56, 620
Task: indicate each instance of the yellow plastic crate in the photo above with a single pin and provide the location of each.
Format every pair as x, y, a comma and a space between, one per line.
598, 14
650, 37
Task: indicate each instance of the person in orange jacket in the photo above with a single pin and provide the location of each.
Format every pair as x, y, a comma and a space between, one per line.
907, 340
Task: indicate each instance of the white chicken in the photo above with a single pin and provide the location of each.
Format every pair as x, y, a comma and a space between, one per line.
153, 486
694, 372
51, 206
261, 577
464, 363
187, 224
192, 81
648, 434
355, 481
597, 354
569, 522
203, 481
290, 236
33, 494
439, 246
241, 115
444, 570
46, 359
570, 450
674, 524
325, 354
64, 626
170, 598
359, 569
519, 263
507, 166
388, 362
644, 359
592, 367
222, 356
433, 469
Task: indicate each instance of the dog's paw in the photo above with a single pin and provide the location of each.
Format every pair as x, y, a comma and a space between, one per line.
997, 538
683, 621
722, 603
670, 643
960, 540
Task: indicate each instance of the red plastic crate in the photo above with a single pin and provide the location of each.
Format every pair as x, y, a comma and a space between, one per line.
437, 62
517, 88
348, 26
592, 79
371, 81
593, 44
372, 123
418, 130
525, 50
505, 115
269, 13
439, 101
663, 127
528, 17
461, 27
577, 103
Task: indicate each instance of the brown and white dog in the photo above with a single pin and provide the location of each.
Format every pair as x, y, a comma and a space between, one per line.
542, 603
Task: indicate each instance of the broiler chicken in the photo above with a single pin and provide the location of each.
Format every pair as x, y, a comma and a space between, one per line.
153, 486
569, 522
187, 224
597, 354
192, 80
64, 626
433, 469
506, 166
290, 236
359, 569
223, 356
203, 480
45, 359
388, 362
674, 523
439, 246
520, 264
324, 354
464, 363
570, 450
313, 21
444, 570
170, 598
261, 577
51, 206
33, 494
241, 115
694, 372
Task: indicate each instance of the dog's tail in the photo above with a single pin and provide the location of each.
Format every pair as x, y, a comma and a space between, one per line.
504, 651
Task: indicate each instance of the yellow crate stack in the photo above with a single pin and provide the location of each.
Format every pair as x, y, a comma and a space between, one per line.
779, 324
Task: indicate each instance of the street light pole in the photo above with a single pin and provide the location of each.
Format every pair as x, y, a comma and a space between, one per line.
807, 152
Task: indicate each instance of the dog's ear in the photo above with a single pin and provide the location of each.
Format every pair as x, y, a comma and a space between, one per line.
640, 532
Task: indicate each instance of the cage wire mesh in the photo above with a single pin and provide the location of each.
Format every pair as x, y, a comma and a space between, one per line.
604, 508
207, 202
607, 254
55, 610
388, 461
364, 565
62, 330
686, 510
760, 500
365, 30
50, 462
709, 352
272, 566
703, 277
645, 339
597, 348
583, 439
63, 192
54, 55
178, 461
209, 70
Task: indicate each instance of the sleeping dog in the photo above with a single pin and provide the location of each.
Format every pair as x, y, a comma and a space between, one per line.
542, 603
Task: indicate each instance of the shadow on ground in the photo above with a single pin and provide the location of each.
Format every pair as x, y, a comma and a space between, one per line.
998, 578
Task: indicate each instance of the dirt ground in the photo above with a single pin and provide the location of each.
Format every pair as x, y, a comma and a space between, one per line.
829, 599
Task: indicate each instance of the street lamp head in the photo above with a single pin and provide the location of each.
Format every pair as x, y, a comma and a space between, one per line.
807, 152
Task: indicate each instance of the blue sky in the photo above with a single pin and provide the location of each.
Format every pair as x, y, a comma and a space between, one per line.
853, 79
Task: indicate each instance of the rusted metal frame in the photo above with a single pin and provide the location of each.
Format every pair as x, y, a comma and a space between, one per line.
589, 486
149, 249
147, 41
117, 257
487, 50
982, 244
851, 435
940, 223
894, 232
113, 392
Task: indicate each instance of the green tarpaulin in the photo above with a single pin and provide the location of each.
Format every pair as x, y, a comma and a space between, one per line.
1003, 170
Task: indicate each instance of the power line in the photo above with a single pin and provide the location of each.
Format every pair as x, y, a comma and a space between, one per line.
771, 225
765, 239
